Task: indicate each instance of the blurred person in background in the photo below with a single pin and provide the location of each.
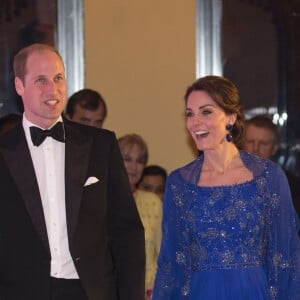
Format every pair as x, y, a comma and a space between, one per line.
134, 151
263, 139
86, 107
153, 180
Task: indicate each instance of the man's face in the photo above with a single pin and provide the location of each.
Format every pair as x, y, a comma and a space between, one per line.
260, 141
87, 117
44, 88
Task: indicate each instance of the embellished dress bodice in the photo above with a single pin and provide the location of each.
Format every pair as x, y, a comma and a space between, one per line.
226, 227
229, 242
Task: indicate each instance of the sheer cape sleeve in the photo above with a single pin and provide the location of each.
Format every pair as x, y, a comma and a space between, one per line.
284, 246
283, 261
174, 263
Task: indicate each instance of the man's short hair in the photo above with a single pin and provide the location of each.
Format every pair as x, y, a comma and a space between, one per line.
262, 121
20, 59
87, 99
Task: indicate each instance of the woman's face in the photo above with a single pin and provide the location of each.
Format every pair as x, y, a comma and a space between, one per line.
206, 121
134, 163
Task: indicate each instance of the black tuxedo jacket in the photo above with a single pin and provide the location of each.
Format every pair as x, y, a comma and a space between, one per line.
103, 225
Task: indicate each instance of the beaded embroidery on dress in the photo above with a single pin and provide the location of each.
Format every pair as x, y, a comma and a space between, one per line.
229, 242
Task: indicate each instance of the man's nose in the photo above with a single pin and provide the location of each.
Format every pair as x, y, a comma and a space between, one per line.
51, 85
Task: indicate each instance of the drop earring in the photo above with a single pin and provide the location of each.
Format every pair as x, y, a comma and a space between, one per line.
229, 135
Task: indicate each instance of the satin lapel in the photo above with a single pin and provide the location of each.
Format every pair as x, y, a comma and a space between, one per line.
78, 148
18, 159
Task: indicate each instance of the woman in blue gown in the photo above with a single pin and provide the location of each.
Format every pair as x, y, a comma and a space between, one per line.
229, 226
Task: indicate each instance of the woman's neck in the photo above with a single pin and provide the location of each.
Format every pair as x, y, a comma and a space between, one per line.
220, 161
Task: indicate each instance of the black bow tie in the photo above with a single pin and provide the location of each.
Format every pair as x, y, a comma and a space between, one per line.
38, 135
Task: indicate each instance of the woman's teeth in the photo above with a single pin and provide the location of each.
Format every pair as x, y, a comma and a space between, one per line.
201, 133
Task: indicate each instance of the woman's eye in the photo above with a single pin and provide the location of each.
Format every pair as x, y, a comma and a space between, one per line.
188, 114
206, 112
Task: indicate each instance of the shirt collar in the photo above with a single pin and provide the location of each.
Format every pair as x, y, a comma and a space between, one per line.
27, 124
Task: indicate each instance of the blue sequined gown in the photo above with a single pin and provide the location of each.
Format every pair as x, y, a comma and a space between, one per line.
236, 242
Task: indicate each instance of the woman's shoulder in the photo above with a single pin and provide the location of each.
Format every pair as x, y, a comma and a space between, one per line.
188, 173
259, 165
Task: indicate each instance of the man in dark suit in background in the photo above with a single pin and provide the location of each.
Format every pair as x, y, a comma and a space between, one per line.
263, 139
65, 201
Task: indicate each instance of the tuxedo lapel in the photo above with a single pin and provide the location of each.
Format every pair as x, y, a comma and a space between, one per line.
16, 151
77, 156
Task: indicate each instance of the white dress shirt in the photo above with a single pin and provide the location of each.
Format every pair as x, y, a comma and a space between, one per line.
49, 165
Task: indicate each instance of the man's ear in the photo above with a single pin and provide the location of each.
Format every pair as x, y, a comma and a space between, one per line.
19, 86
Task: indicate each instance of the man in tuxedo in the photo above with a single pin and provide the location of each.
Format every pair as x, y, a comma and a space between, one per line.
69, 226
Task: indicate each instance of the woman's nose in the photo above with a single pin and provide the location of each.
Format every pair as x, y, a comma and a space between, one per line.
197, 120
132, 165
